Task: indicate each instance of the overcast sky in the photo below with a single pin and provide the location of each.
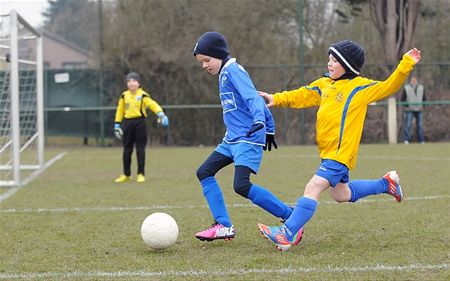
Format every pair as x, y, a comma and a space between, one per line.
30, 10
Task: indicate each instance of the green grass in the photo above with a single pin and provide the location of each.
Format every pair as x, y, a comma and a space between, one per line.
74, 223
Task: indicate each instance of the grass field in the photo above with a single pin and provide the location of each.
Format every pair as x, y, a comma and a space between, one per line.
74, 223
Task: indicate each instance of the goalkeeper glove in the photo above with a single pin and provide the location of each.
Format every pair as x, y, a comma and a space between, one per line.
255, 127
118, 133
162, 119
270, 140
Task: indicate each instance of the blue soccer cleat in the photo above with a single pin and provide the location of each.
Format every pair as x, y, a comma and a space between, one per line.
277, 235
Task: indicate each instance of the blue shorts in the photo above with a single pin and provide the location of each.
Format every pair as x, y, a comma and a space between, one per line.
243, 154
333, 171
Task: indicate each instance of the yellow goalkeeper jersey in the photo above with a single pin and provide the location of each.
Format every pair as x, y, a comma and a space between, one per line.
135, 105
342, 109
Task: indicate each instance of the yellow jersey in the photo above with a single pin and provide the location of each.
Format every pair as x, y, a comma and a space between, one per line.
134, 105
342, 109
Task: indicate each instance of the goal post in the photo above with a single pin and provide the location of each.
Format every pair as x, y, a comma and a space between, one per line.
21, 100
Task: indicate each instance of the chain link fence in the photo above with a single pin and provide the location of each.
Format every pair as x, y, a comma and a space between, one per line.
77, 108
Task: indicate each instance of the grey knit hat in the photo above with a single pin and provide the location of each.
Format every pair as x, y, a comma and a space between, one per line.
134, 76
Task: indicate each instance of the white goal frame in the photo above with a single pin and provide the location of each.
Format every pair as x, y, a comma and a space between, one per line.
13, 145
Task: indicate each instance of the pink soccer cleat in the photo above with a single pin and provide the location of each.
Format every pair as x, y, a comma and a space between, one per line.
216, 231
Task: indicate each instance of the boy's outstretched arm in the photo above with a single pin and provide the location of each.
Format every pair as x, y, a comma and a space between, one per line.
382, 89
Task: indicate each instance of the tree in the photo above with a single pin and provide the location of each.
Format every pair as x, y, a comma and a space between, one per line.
75, 21
156, 38
396, 23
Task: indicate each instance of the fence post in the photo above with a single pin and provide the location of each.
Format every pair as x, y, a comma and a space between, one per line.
392, 120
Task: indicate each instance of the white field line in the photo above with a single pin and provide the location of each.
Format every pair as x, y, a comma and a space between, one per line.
168, 207
222, 272
381, 157
316, 156
34, 175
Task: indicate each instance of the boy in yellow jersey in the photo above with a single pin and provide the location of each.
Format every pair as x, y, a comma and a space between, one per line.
342, 97
130, 125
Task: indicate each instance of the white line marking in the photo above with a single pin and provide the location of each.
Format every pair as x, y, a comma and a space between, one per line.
382, 157
153, 207
34, 175
220, 272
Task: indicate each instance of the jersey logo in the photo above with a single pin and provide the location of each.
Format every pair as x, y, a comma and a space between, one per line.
323, 168
223, 80
138, 98
228, 102
339, 97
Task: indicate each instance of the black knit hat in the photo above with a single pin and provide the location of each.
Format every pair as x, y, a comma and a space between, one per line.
134, 76
212, 44
349, 54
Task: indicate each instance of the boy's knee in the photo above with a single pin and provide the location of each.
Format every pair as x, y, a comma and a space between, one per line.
203, 172
340, 199
242, 186
341, 193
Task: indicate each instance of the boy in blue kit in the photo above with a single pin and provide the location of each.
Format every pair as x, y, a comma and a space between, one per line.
342, 97
249, 129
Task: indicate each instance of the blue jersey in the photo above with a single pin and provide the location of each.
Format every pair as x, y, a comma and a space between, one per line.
242, 106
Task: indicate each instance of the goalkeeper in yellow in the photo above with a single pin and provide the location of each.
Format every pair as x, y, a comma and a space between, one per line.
130, 125
342, 97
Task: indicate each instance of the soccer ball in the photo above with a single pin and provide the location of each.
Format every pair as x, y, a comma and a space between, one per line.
159, 231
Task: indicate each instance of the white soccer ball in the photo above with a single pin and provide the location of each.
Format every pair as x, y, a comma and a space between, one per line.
159, 231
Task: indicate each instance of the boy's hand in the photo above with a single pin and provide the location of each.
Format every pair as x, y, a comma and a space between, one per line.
270, 140
268, 98
414, 54
162, 119
118, 133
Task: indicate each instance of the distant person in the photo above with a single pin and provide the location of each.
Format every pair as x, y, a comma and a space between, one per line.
130, 125
342, 98
250, 129
414, 95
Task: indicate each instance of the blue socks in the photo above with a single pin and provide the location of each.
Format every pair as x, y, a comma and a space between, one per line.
258, 195
214, 197
306, 207
362, 188
269, 202
303, 212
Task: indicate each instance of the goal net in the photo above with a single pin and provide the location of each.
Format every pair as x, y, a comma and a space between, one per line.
21, 100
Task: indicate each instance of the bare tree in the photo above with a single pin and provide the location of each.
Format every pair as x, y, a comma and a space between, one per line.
76, 21
396, 22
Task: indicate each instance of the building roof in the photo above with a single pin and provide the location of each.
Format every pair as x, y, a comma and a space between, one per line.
61, 40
